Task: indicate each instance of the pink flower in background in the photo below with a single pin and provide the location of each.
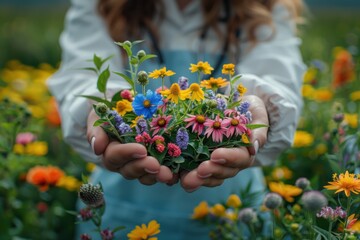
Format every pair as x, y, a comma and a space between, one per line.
126, 94
159, 123
25, 138
216, 128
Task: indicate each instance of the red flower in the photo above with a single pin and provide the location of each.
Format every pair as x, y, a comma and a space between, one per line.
173, 150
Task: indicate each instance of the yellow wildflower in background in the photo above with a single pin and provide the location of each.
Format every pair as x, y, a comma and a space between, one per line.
38, 148
355, 227
195, 92
347, 182
228, 69
144, 232
281, 173
355, 96
90, 167
123, 106
233, 201
218, 210
70, 183
19, 149
174, 93
302, 139
200, 211
323, 95
288, 192
161, 73
201, 66
244, 138
307, 91
241, 89
320, 149
310, 75
352, 120
214, 83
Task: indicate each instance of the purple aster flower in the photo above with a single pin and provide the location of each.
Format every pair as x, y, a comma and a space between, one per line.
182, 138
183, 82
141, 126
244, 107
210, 94
147, 104
124, 128
117, 118
331, 214
221, 103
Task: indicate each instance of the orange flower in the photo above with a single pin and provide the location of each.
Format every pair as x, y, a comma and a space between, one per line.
288, 192
43, 176
343, 68
347, 182
52, 115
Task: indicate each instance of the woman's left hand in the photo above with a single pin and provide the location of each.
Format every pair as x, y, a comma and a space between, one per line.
227, 162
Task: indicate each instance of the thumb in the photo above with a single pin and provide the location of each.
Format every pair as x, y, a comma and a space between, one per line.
96, 136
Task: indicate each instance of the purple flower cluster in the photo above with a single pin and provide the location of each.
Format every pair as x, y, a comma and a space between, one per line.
183, 83
331, 214
221, 104
141, 126
244, 107
182, 138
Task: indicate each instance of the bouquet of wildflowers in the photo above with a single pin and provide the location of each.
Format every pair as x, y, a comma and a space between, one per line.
180, 125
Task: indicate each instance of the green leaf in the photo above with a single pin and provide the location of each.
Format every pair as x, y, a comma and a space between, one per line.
324, 233
97, 99
99, 122
235, 78
254, 126
97, 61
178, 159
137, 42
126, 77
334, 165
89, 69
146, 57
116, 97
102, 80
125, 47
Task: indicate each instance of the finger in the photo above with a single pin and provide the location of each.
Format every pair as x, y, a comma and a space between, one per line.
190, 181
231, 157
116, 155
138, 168
96, 136
148, 179
209, 169
166, 176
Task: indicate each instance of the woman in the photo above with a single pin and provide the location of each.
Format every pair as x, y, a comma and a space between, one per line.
258, 36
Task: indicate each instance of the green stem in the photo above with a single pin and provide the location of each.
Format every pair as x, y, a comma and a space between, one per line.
330, 228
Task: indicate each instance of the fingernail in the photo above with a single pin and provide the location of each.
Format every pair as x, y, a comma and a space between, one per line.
151, 171
256, 146
138, 156
220, 161
204, 176
92, 144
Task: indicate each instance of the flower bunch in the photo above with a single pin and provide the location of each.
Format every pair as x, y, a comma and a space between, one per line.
182, 124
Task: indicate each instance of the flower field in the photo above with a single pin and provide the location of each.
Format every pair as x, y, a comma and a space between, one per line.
314, 188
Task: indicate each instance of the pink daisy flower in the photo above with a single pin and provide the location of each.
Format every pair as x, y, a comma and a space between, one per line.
216, 128
173, 150
236, 125
197, 123
159, 123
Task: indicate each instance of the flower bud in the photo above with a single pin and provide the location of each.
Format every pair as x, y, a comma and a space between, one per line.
212, 103
140, 54
338, 117
272, 200
247, 215
91, 195
313, 200
294, 227
101, 109
128, 43
142, 78
302, 183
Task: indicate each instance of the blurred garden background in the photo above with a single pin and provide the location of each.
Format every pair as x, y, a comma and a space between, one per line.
34, 207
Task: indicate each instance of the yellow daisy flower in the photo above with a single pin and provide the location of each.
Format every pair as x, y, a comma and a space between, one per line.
174, 93
201, 66
214, 83
123, 106
347, 182
195, 92
201, 210
145, 232
233, 201
302, 139
218, 210
228, 69
70, 183
241, 89
352, 120
288, 192
161, 73
38, 148
355, 96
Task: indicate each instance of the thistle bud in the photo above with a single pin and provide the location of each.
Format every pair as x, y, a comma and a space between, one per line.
142, 78
338, 117
140, 54
91, 195
247, 215
313, 200
101, 109
272, 200
302, 183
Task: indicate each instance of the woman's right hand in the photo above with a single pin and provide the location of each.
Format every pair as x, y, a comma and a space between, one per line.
130, 159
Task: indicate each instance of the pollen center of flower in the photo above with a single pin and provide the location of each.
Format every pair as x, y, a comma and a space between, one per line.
161, 122
234, 122
175, 90
147, 103
200, 119
216, 125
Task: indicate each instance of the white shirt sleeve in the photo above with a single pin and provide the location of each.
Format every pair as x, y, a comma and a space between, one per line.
273, 71
84, 35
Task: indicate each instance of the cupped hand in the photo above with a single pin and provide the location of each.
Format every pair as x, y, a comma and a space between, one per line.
130, 159
227, 162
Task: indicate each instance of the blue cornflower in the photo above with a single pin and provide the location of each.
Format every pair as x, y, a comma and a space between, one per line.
182, 138
244, 107
141, 126
221, 103
147, 105
183, 82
